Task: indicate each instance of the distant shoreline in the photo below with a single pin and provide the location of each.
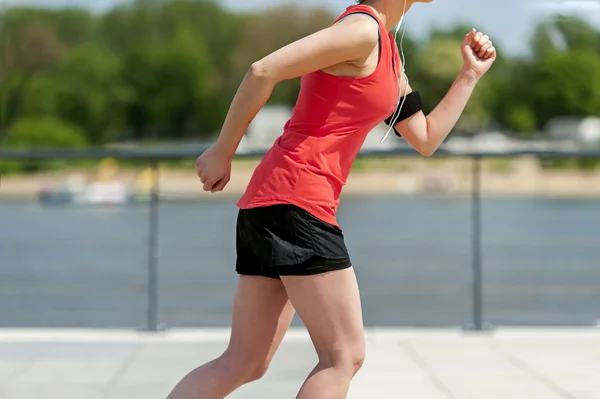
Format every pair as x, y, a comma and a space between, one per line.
522, 177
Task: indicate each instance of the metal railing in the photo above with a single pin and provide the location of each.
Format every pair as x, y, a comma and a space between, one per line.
154, 156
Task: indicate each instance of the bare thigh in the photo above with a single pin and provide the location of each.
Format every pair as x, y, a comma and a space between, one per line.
329, 305
262, 314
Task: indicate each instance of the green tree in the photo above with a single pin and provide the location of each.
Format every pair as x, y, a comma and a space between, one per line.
564, 33
50, 132
510, 97
564, 78
41, 133
86, 89
30, 50
266, 31
567, 83
172, 89
178, 61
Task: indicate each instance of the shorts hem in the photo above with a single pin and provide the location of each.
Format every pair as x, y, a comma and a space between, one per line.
314, 268
258, 274
306, 269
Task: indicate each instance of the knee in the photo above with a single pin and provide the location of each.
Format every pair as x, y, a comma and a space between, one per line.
256, 372
349, 360
245, 368
356, 360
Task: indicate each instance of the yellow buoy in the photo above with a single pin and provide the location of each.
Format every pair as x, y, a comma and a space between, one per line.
145, 181
107, 170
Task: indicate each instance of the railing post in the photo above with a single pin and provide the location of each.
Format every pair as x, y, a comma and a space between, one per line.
476, 244
153, 252
477, 323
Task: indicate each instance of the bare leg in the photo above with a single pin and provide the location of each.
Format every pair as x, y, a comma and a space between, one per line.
329, 305
262, 314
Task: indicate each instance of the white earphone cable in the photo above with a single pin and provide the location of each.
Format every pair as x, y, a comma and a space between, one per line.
402, 95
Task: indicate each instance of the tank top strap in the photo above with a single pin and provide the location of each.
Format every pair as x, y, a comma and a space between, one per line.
361, 9
386, 44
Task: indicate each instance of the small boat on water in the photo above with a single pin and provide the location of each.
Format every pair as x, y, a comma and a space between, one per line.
95, 193
103, 191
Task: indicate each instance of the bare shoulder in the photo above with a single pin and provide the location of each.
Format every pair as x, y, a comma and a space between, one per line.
360, 28
351, 39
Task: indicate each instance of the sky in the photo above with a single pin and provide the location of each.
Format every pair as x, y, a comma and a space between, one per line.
509, 23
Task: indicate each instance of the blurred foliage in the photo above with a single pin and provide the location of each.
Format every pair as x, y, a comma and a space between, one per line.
168, 70
42, 132
46, 133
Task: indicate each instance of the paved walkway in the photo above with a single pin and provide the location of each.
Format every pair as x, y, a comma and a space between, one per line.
412, 364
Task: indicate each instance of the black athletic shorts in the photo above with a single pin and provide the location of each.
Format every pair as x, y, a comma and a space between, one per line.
285, 240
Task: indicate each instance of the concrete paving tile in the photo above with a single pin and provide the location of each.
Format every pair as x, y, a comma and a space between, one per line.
181, 350
138, 391
432, 365
292, 362
10, 368
393, 384
156, 373
91, 350
69, 371
65, 390
571, 368
20, 350
269, 388
389, 355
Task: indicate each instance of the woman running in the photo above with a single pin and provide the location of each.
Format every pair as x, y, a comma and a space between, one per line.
291, 255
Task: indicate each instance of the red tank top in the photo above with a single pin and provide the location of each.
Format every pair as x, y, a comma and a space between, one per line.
309, 163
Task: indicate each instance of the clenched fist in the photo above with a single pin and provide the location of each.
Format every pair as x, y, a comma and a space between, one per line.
478, 52
214, 169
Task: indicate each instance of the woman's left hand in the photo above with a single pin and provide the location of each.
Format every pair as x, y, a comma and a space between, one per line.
478, 52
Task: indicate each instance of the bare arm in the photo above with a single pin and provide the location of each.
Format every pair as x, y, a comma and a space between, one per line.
426, 133
353, 39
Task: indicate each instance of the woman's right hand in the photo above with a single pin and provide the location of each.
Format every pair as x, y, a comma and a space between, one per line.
213, 168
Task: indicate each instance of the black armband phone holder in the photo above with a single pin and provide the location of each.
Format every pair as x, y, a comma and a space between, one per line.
407, 107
